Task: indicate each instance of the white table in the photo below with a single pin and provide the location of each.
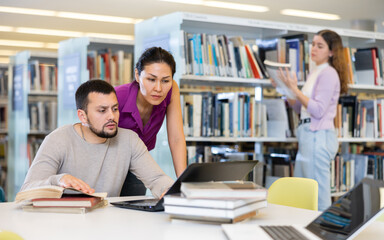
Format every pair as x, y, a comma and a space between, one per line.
116, 223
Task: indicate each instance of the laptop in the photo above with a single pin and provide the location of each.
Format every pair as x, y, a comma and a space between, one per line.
196, 172
344, 219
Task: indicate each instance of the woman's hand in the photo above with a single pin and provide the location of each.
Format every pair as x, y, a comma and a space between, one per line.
289, 79
70, 181
273, 83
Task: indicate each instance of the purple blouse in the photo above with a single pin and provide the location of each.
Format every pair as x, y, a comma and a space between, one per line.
130, 116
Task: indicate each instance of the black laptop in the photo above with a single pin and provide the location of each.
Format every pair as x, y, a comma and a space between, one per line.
343, 220
196, 172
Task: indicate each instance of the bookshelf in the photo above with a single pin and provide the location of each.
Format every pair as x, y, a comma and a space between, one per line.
74, 69
3, 124
169, 31
32, 82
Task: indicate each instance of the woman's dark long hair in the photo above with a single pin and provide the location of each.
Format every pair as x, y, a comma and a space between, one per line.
337, 59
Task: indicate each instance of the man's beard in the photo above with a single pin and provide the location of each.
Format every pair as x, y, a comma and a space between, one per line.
102, 133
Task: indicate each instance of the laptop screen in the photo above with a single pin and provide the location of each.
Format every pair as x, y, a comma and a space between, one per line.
351, 212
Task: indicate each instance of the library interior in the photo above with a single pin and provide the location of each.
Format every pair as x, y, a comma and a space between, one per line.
294, 90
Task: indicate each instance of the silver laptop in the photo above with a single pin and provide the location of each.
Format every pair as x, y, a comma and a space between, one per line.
346, 218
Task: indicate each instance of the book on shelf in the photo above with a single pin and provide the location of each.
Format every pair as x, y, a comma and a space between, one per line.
4, 81
367, 66
73, 210
226, 189
50, 192
277, 124
213, 210
298, 51
273, 69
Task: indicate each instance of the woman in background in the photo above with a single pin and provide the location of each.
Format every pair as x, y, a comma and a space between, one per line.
317, 104
145, 102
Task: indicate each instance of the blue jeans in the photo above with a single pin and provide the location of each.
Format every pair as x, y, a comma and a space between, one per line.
316, 150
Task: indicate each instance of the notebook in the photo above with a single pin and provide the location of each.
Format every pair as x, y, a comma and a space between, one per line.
196, 172
344, 219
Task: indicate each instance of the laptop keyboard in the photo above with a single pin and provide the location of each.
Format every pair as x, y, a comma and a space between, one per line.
283, 232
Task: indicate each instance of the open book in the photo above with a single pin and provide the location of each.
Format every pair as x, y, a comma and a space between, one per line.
273, 69
50, 192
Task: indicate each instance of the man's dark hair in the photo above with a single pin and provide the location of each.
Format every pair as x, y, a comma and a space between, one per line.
94, 85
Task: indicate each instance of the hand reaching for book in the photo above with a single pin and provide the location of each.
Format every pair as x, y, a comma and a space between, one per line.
71, 181
290, 79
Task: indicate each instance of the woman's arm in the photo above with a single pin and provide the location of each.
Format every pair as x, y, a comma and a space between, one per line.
176, 138
291, 82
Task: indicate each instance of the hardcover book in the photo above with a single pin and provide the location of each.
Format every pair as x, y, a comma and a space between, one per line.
76, 210
230, 189
215, 214
50, 192
67, 200
273, 68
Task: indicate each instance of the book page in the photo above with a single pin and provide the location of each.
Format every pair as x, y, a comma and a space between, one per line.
273, 69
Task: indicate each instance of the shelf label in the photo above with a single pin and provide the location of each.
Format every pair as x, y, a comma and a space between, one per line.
18, 91
71, 65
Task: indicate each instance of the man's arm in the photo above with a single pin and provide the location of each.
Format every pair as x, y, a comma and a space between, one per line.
45, 167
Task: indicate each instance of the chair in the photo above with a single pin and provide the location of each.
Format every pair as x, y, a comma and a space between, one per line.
294, 192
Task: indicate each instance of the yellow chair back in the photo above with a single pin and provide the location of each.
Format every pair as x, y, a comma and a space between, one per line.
294, 192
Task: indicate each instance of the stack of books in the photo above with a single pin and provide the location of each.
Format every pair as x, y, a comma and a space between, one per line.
54, 199
223, 202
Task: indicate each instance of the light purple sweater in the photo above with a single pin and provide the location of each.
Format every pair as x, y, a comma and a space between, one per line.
323, 103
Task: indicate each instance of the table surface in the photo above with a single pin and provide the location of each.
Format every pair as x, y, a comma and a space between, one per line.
115, 223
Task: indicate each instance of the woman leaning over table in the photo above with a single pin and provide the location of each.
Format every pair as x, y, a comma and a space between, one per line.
145, 102
317, 104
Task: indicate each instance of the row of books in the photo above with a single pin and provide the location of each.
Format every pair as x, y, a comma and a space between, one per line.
365, 65
220, 55
113, 67
360, 118
33, 145
42, 116
3, 117
349, 169
42, 77
232, 56
216, 201
3, 81
3, 163
236, 114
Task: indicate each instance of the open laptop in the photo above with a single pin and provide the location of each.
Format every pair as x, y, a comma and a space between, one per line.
344, 219
196, 172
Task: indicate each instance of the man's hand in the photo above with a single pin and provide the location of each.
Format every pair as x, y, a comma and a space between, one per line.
71, 181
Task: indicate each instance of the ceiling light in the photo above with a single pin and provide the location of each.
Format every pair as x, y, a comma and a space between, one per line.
7, 53
72, 15
110, 36
94, 17
4, 60
218, 4
61, 33
30, 44
27, 11
50, 32
309, 14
